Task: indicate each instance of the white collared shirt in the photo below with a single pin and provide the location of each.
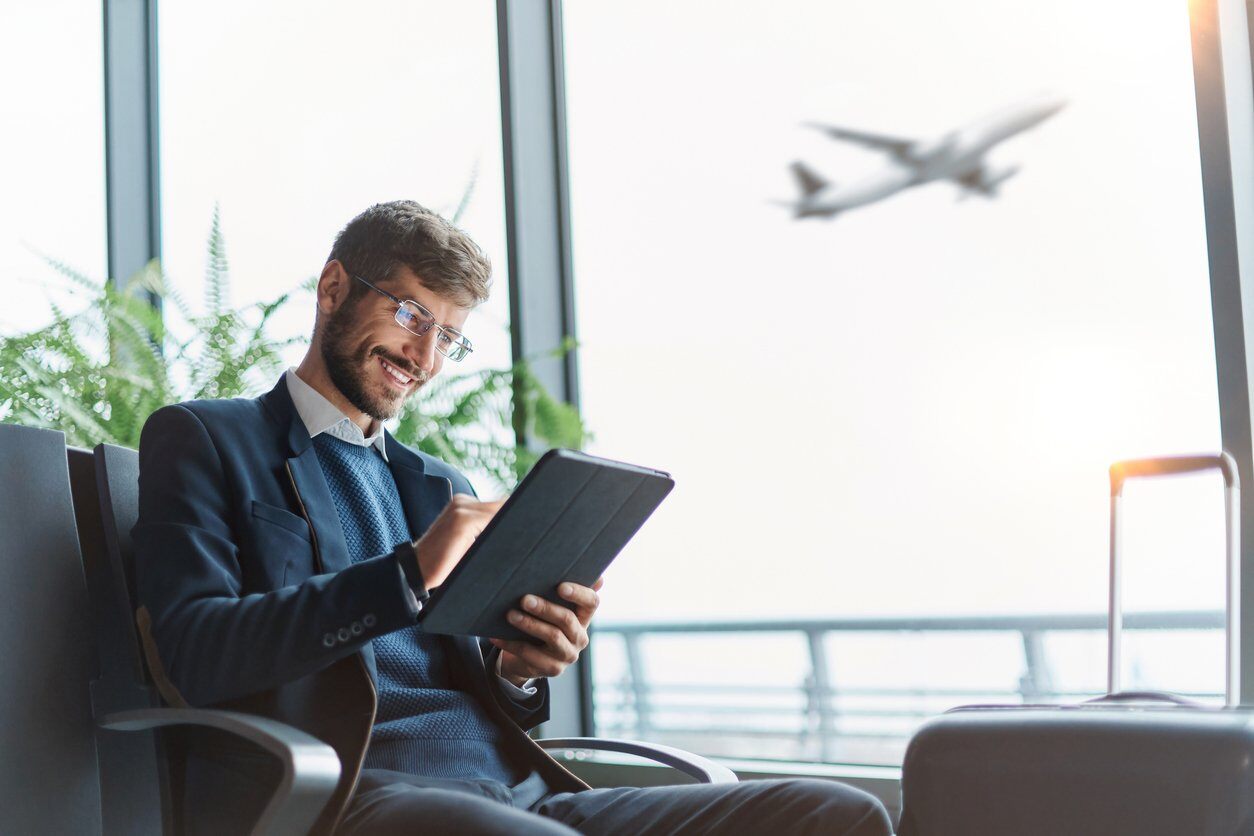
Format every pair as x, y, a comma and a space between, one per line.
319, 416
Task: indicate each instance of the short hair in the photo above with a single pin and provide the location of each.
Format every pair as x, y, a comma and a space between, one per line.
388, 236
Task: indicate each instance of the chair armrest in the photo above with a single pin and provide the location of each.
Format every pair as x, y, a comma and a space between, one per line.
704, 770
311, 769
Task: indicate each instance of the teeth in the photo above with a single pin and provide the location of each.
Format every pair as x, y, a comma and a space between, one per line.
395, 373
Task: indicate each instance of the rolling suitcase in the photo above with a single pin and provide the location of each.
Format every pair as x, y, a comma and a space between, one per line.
1148, 764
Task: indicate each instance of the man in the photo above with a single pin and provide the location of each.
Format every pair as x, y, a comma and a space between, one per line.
285, 545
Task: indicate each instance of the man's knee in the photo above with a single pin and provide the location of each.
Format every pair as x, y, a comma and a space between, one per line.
831, 807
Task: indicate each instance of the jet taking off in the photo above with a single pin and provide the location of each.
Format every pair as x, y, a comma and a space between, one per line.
957, 156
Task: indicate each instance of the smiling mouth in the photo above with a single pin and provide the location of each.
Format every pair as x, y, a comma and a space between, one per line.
395, 376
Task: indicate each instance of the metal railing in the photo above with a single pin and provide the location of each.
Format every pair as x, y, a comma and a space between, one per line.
815, 718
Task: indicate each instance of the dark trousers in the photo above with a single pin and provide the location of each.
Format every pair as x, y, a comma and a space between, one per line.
389, 803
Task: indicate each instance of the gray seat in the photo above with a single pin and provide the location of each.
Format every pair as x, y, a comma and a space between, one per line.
48, 773
74, 709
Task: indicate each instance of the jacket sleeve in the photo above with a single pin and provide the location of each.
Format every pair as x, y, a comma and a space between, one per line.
527, 712
205, 642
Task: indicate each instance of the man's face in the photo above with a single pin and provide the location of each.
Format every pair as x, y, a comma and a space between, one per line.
371, 359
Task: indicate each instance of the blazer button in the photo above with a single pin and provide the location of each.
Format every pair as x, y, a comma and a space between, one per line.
343, 634
356, 628
328, 640
369, 620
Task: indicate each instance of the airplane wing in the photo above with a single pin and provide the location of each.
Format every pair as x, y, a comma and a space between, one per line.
894, 145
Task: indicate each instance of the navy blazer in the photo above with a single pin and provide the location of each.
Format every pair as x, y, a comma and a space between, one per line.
248, 599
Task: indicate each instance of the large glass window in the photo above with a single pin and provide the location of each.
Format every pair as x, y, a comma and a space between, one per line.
52, 202
315, 112
890, 425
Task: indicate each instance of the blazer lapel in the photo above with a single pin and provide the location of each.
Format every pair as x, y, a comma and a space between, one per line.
422, 496
468, 654
312, 495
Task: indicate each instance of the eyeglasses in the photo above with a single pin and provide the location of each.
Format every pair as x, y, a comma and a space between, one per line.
416, 319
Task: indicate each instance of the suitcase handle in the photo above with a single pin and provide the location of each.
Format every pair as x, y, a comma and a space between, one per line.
1120, 472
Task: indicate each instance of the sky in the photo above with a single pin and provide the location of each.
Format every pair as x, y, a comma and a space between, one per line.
908, 410
933, 433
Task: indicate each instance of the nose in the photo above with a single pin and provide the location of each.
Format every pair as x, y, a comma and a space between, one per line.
420, 351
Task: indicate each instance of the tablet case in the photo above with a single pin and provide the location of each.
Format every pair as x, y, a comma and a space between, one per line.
566, 521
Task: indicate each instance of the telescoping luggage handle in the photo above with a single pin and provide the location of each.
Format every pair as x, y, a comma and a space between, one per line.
1120, 472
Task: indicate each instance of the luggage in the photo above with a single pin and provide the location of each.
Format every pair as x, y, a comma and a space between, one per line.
1147, 764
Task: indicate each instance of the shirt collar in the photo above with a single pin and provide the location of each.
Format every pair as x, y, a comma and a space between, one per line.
321, 416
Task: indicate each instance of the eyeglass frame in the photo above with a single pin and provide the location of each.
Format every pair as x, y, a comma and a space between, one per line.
456, 336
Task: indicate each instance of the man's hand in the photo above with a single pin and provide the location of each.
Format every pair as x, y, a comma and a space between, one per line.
450, 535
563, 631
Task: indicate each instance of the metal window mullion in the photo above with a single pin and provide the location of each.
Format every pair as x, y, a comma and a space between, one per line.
1225, 114
132, 173
537, 224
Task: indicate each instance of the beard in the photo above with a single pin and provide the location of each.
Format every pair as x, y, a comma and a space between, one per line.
350, 370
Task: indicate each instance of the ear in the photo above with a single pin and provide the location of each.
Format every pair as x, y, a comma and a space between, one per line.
334, 286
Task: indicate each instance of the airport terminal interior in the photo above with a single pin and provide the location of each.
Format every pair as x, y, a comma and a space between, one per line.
872, 327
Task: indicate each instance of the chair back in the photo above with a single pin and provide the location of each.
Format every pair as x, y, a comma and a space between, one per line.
134, 787
117, 475
49, 780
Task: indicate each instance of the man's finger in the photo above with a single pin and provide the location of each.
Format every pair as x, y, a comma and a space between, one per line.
557, 642
584, 598
582, 595
600, 582
489, 509
557, 614
483, 514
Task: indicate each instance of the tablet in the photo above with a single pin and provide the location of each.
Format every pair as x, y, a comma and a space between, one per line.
569, 517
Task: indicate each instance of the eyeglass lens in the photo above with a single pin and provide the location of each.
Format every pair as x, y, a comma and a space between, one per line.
417, 321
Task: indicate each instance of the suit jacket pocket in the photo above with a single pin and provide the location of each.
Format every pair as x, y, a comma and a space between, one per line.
279, 549
284, 519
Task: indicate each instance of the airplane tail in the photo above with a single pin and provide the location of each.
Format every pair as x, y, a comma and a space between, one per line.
807, 179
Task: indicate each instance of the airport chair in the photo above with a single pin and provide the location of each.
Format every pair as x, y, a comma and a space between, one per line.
63, 686
48, 773
136, 785
117, 493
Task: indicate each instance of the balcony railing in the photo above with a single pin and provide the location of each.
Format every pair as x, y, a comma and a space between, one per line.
816, 717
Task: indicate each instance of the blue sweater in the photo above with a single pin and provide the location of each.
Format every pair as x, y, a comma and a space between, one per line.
424, 725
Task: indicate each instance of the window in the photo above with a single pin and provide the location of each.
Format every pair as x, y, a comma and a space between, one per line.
888, 424
317, 111
52, 164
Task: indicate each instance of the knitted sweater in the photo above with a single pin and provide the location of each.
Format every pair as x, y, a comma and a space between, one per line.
424, 725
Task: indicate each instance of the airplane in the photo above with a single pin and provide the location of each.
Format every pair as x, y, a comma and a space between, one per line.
957, 156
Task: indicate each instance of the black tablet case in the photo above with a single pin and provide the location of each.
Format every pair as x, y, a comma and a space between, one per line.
566, 521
